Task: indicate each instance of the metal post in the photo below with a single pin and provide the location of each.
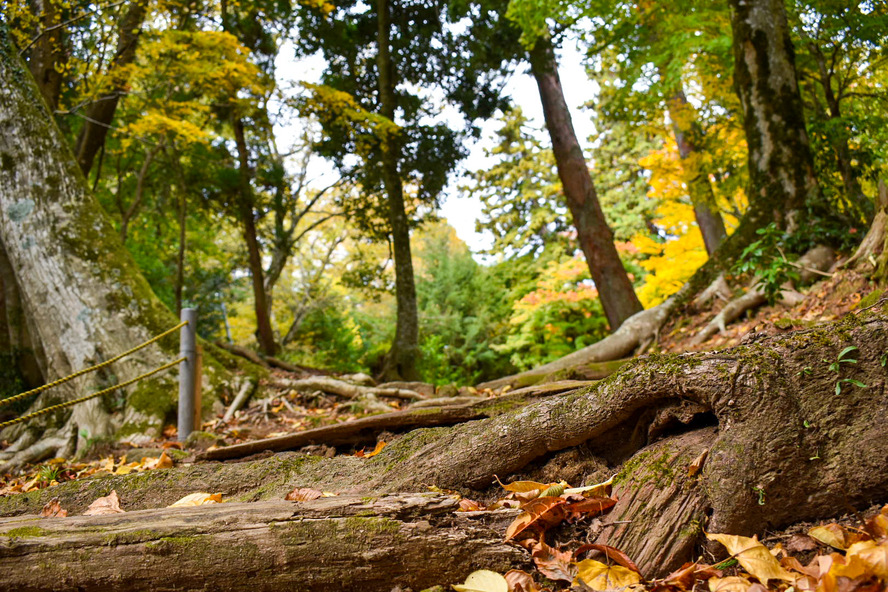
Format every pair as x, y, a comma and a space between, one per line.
188, 350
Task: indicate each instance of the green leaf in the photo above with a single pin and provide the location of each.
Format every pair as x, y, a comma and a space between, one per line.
845, 351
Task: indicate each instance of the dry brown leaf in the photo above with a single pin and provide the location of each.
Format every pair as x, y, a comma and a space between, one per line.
697, 464
877, 526
520, 581
197, 499
590, 506
538, 515
53, 509
304, 494
110, 504
599, 576
553, 563
754, 557
830, 534
467, 505
611, 553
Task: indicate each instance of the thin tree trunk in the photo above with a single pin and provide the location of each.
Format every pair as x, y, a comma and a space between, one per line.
100, 113
709, 219
130, 212
853, 191
264, 332
47, 55
615, 290
781, 167
180, 257
401, 359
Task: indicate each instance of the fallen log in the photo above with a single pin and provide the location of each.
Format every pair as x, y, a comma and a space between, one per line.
348, 390
337, 543
362, 430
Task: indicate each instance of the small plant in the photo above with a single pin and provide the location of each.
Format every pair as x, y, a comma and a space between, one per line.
841, 359
836, 367
760, 492
49, 473
772, 272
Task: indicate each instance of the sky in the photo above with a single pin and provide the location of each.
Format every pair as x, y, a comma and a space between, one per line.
459, 210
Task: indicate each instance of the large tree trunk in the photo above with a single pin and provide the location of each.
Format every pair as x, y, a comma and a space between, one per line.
400, 363
686, 130
81, 293
100, 112
783, 446
615, 290
781, 168
348, 544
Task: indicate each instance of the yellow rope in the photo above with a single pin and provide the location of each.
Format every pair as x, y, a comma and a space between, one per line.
88, 397
91, 369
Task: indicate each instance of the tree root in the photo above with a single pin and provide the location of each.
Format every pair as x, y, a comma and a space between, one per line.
785, 447
339, 543
344, 389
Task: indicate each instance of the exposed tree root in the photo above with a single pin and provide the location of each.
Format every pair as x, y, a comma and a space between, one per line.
344, 389
783, 446
602, 358
340, 543
815, 261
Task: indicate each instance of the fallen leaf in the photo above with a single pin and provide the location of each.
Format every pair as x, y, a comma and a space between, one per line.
522, 486
110, 504
176, 445
611, 553
538, 515
520, 581
877, 526
754, 557
729, 584
53, 509
379, 446
800, 543
830, 534
304, 494
600, 576
552, 563
590, 506
685, 576
467, 505
483, 581
697, 464
874, 556
197, 499
598, 490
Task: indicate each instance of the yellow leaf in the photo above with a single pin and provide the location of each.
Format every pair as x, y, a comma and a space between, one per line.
729, 584
197, 499
830, 534
599, 576
874, 556
754, 557
483, 581
522, 486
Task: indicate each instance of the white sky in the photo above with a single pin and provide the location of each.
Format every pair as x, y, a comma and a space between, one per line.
459, 210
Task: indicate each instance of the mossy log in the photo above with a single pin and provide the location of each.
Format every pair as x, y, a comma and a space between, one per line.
783, 444
338, 543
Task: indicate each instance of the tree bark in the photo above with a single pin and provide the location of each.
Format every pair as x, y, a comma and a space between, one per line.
81, 293
100, 112
264, 331
684, 127
781, 167
400, 363
47, 56
615, 290
337, 543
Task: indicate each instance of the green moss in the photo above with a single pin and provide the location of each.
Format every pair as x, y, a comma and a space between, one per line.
870, 299
27, 531
126, 538
499, 407
645, 468
372, 525
692, 529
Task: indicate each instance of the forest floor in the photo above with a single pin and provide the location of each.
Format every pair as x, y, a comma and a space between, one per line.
278, 410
